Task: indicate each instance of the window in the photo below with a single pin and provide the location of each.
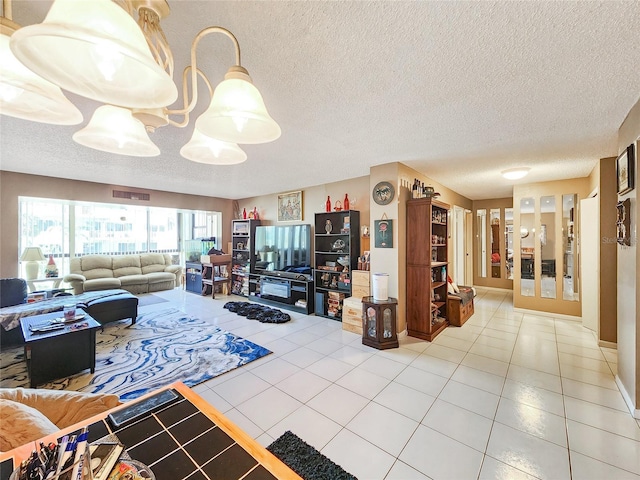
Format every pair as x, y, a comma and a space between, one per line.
65, 229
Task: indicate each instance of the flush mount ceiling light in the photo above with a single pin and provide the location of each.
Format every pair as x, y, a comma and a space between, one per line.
95, 48
515, 173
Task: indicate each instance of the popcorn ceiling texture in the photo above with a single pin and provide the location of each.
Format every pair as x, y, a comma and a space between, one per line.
456, 90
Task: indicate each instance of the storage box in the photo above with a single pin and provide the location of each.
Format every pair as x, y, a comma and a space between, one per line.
215, 259
352, 306
352, 323
360, 277
359, 291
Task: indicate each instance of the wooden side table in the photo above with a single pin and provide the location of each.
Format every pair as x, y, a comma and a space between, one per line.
379, 323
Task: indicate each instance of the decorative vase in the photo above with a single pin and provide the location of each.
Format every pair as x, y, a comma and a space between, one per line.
346, 201
328, 206
338, 206
328, 227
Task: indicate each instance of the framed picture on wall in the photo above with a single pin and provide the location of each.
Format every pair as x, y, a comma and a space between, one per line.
383, 233
290, 207
625, 169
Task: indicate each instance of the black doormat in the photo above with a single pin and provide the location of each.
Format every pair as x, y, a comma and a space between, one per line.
305, 460
257, 312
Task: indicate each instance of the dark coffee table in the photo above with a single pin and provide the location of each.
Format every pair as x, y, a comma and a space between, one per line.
59, 353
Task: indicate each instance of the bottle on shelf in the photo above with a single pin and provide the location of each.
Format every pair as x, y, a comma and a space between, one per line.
244, 213
255, 213
328, 205
346, 202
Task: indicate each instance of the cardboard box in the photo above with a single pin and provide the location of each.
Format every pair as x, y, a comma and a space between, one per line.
360, 277
215, 259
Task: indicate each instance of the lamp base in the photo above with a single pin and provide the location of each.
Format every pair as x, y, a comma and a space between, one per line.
31, 269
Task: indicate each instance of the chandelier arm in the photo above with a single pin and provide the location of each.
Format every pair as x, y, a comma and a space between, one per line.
185, 93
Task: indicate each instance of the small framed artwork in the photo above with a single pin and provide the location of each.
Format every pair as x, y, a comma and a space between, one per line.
290, 207
626, 170
383, 233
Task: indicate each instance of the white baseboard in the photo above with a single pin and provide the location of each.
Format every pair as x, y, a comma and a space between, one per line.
627, 399
572, 318
605, 344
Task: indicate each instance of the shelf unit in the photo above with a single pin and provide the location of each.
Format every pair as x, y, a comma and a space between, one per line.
215, 273
193, 277
291, 293
243, 257
427, 267
337, 238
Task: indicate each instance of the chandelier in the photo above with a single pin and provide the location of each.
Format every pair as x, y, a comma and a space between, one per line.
97, 49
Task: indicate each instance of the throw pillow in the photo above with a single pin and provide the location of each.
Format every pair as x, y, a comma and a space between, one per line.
62, 407
20, 424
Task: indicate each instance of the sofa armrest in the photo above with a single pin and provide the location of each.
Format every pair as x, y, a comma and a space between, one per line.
177, 271
76, 281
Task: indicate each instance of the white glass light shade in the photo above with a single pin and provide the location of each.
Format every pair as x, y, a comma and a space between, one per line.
204, 149
95, 49
23, 94
113, 129
237, 113
515, 173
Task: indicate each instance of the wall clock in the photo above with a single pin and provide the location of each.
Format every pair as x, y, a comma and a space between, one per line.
383, 193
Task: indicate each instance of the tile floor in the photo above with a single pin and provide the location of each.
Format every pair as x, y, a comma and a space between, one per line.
506, 396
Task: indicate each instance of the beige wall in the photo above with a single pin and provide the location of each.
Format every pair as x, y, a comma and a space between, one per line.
602, 180
535, 191
13, 185
489, 281
627, 279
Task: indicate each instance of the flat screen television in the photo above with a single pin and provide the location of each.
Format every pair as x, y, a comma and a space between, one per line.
283, 248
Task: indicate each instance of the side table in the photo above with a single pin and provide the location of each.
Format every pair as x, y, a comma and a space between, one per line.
379, 323
55, 283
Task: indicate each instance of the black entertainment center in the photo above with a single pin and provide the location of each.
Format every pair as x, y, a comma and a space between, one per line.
282, 273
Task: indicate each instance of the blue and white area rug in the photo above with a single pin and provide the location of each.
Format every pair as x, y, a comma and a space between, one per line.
162, 347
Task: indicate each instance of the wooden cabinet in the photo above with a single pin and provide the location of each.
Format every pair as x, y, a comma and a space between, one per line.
243, 257
337, 247
457, 311
193, 277
427, 267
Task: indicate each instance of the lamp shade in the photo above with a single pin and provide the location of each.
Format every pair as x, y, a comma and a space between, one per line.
237, 113
113, 129
95, 49
204, 149
32, 254
23, 94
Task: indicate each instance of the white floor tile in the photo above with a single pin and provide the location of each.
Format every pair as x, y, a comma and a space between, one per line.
358, 457
528, 453
390, 431
592, 393
280, 405
402, 471
462, 425
424, 382
338, 404
436, 365
330, 368
604, 446
351, 355
479, 379
587, 468
489, 365
535, 378
214, 399
604, 380
405, 400
444, 458
604, 418
302, 357
382, 366
363, 383
303, 385
473, 399
533, 421
445, 353
534, 396
493, 469
313, 427
241, 388
275, 371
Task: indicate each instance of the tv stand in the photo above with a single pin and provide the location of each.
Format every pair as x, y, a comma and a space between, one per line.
292, 291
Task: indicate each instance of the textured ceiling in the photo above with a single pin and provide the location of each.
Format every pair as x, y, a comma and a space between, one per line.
456, 90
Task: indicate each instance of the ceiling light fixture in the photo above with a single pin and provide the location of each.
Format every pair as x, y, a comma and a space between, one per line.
515, 173
95, 48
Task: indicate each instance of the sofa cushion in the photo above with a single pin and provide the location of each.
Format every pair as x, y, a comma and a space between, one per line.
134, 280
61, 407
90, 262
126, 265
101, 284
20, 424
152, 262
158, 277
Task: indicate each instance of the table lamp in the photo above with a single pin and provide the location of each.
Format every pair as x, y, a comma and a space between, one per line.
32, 255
